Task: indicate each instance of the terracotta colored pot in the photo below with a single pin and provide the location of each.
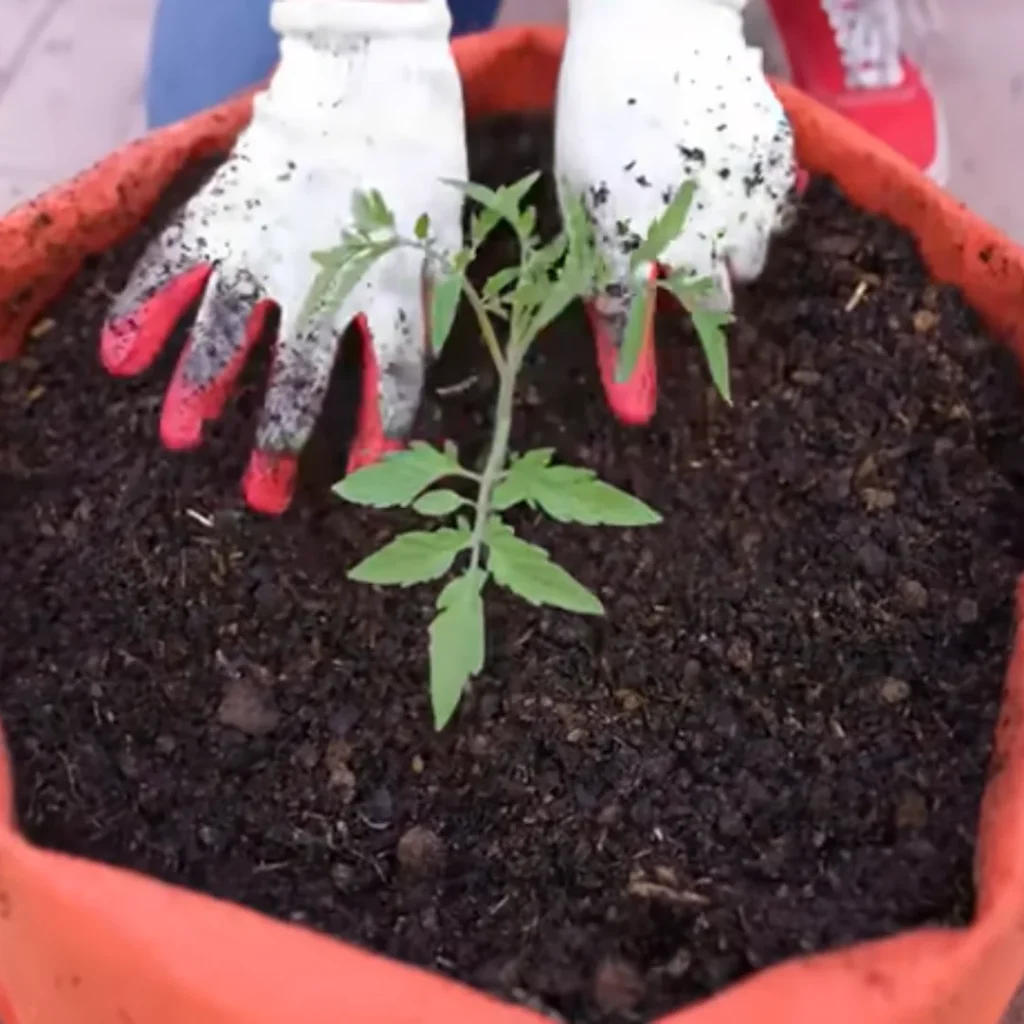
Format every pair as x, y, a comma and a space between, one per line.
85, 944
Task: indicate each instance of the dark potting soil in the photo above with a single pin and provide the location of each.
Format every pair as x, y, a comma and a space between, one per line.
775, 742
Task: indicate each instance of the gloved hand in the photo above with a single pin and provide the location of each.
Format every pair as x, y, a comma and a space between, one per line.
366, 96
652, 93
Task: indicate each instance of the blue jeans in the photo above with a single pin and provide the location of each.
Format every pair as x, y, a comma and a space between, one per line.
204, 51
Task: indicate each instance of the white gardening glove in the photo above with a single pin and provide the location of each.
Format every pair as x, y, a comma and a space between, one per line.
366, 96
653, 93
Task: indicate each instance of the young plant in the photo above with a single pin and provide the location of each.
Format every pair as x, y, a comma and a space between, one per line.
526, 298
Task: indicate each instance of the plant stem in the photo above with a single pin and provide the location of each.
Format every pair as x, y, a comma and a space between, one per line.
486, 327
497, 457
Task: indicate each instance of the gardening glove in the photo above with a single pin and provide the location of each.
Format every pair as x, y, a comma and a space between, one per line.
653, 93
366, 97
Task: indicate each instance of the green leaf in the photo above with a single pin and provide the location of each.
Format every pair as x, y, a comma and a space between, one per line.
336, 281
547, 256
457, 643
633, 339
481, 224
708, 325
351, 245
551, 296
690, 291
369, 211
415, 557
571, 495
398, 478
664, 230
486, 197
576, 222
512, 195
515, 487
528, 571
527, 223
581, 259
444, 304
557, 299
361, 214
497, 283
381, 214
421, 229
503, 203
438, 503
326, 257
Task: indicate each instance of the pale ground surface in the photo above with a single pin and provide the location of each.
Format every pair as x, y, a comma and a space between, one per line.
71, 83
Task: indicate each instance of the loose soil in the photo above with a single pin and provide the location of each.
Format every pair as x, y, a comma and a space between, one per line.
775, 742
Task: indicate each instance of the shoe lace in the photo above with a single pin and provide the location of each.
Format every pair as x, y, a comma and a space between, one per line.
868, 39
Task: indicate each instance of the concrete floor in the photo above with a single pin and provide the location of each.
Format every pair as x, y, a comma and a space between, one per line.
71, 75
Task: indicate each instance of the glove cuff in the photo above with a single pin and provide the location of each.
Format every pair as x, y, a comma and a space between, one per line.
325, 20
669, 10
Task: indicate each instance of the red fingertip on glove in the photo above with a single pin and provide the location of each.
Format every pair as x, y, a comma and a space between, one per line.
370, 443
189, 406
130, 343
270, 482
632, 401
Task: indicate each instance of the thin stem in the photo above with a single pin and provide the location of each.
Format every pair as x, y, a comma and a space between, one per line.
486, 327
498, 454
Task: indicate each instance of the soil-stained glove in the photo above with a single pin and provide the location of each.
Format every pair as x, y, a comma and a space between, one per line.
653, 93
366, 96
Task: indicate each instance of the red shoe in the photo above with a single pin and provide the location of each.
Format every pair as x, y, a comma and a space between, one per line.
846, 53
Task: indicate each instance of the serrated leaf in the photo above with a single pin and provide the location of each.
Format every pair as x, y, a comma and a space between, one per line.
421, 229
382, 214
481, 224
688, 289
515, 487
557, 298
633, 338
488, 198
438, 503
709, 326
575, 220
457, 643
547, 256
572, 495
415, 557
444, 304
335, 282
497, 283
398, 478
512, 195
664, 230
502, 203
527, 570
596, 503
326, 257
527, 223
370, 212
361, 209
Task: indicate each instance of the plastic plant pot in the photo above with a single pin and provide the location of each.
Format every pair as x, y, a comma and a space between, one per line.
89, 944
